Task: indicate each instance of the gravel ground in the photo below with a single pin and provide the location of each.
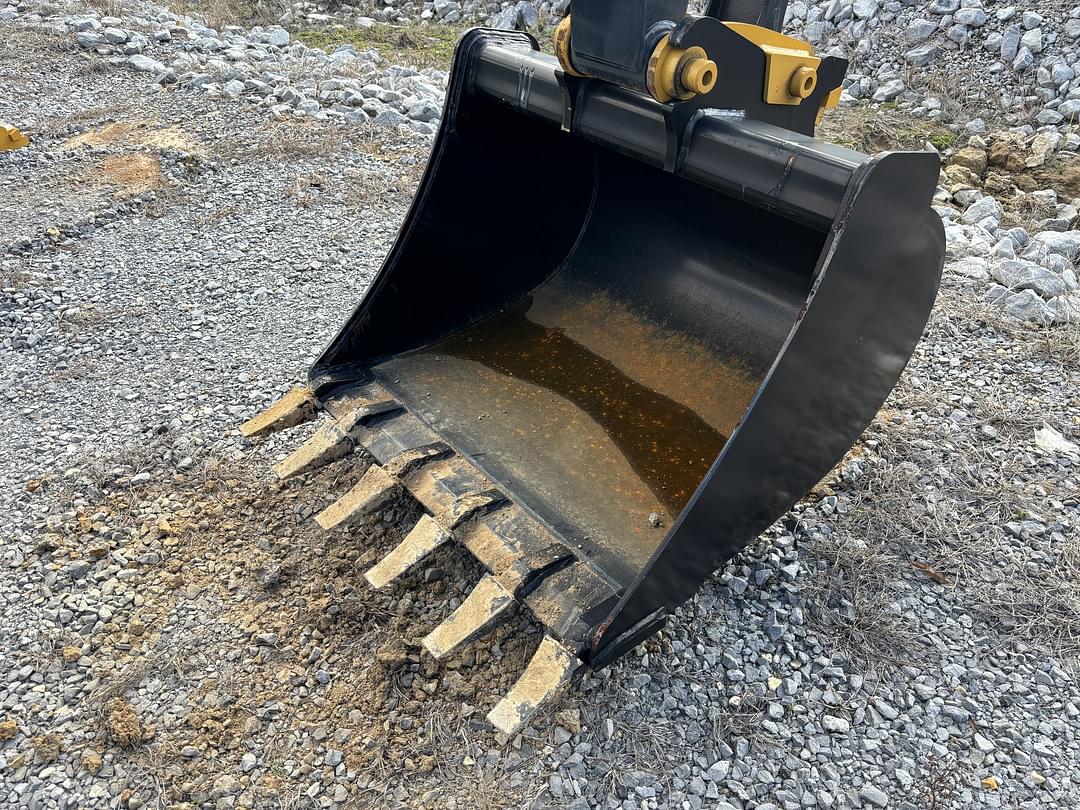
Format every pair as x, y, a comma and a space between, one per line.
176, 634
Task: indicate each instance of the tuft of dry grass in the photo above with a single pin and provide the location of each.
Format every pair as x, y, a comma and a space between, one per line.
289, 140
423, 46
14, 279
934, 503
220, 13
882, 129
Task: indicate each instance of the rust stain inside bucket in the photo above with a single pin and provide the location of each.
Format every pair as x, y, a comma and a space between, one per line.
588, 414
668, 445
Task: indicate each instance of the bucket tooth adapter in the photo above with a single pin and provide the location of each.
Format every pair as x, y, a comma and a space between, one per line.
635, 312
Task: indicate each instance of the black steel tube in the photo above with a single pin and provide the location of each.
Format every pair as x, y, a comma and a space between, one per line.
797, 176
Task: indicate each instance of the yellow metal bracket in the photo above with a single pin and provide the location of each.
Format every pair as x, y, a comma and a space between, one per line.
11, 137
679, 73
790, 64
830, 100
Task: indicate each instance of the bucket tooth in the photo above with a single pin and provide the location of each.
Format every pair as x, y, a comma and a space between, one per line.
332, 441
485, 608
547, 672
294, 408
371, 492
468, 506
328, 444
426, 536
409, 461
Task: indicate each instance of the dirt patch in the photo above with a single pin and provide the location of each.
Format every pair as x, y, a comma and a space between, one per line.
882, 129
122, 724
134, 174
1061, 174
138, 133
255, 632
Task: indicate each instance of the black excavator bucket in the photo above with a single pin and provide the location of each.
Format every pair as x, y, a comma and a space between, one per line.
615, 340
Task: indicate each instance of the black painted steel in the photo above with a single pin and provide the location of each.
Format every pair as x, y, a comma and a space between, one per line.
613, 40
769, 13
745, 312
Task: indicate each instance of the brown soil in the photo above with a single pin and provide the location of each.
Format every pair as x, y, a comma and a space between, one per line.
122, 724
246, 557
134, 174
138, 132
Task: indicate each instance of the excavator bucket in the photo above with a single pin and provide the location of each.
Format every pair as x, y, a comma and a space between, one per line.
616, 339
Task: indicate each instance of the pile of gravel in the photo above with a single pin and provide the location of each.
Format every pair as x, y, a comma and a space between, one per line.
953, 59
518, 14
263, 66
1018, 61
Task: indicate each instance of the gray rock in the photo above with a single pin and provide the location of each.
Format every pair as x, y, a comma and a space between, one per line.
835, 725
889, 90
922, 55
958, 34
1028, 306
115, 35
145, 64
1010, 42
944, 6
1061, 72
424, 111
985, 208
1065, 308
1019, 274
971, 267
1032, 40
1024, 60
89, 39
974, 17
920, 30
865, 9
873, 795
983, 744
84, 24
390, 118
1063, 243
233, 89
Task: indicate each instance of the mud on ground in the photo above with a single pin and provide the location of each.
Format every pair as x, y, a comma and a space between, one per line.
250, 631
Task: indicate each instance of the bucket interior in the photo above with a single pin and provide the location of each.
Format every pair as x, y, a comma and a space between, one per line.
593, 340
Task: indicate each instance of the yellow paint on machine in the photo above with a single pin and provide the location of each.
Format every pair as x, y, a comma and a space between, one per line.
11, 137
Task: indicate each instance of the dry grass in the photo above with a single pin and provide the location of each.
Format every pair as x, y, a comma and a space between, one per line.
288, 140
882, 128
220, 13
62, 124
14, 279
932, 504
421, 46
850, 593
79, 368
107, 8
1061, 343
